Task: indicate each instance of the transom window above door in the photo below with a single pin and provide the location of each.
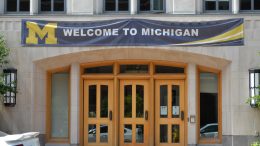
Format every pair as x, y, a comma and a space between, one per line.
128, 67
116, 5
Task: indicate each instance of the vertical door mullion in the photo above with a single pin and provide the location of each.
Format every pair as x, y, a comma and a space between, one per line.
182, 97
133, 112
169, 111
98, 113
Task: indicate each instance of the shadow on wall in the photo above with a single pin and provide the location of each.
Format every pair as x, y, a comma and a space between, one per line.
3, 121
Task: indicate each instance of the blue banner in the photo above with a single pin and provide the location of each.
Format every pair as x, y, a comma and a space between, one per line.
132, 32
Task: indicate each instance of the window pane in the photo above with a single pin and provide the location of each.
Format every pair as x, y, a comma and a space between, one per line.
104, 101
145, 5
92, 101
158, 5
245, 4
223, 5
58, 5
128, 133
45, 5
103, 133
59, 105
110, 5
123, 5
163, 101
168, 69
208, 105
128, 101
175, 101
256, 5
163, 133
24, 5
11, 5
139, 133
99, 70
139, 101
134, 68
175, 133
210, 5
92, 133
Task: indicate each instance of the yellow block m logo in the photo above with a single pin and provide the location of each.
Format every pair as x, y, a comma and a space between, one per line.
34, 29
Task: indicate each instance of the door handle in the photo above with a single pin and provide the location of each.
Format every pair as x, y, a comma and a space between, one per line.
182, 115
110, 115
146, 115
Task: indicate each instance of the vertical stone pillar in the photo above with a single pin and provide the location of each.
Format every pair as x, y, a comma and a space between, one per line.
69, 7
199, 7
34, 7
99, 6
74, 100
2, 6
168, 6
133, 7
192, 102
235, 6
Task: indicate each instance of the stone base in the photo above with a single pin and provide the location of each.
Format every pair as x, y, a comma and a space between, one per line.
237, 140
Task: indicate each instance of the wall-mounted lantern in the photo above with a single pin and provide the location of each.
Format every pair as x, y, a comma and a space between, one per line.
10, 79
254, 82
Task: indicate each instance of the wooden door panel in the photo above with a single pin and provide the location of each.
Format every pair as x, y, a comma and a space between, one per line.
98, 102
169, 104
135, 122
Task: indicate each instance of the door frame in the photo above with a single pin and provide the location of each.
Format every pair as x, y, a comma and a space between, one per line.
116, 77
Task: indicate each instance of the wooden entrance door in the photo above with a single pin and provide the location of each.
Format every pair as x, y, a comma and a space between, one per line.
169, 113
134, 112
98, 105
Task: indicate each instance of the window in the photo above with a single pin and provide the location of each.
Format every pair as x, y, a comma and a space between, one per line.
52, 5
17, 5
99, 70
249, 5
168, 69
58, 106
151, 5
209, 109
134, 68
217, 5
117, 5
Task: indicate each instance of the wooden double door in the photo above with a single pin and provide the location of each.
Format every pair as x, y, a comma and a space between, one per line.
143, 119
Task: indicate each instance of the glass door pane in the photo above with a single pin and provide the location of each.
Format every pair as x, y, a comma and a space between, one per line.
104, 101
163, 101
92, 101
139, 101
175, 101
128, 101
